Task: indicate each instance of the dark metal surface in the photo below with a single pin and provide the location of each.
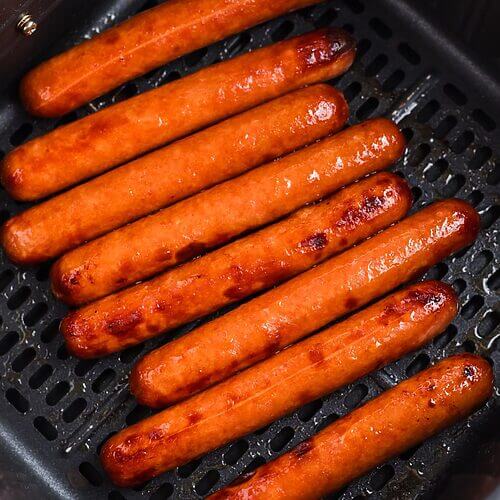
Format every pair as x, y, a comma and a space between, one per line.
57, 410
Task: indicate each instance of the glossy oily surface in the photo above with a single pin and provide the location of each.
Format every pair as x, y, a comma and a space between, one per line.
386, 426
172, 173
215, 216
140, 44
238, 270
123, 131
265, 392
266, 324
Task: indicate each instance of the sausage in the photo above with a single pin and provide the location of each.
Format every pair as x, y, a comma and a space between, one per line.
174, 172
118, 133
215, 216
258, 328
239, 269
137, 46
269, 390
385, 427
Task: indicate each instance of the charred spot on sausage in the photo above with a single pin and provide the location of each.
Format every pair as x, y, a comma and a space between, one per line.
123, 323
303, 448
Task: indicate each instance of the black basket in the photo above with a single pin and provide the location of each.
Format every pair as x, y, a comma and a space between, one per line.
57, 410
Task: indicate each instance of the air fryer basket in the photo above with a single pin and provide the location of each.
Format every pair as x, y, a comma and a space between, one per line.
56, 410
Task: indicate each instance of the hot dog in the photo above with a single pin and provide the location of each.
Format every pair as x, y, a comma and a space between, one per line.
265, 392
307, 302
174, 172
120, 132
140, 44
215, 216
239, 269
386, 426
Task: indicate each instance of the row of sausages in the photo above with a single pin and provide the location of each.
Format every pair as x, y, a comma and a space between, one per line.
233, 374
370, 339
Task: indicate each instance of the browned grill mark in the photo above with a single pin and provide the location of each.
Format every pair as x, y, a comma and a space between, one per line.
432, 295
156, 435
354, 216
470, 373
134, 438
303, 448
351, 303
163, 255
194, 417
315, 355
123, 457
248, 279
323, 47
124, 322
313, 243
190, 251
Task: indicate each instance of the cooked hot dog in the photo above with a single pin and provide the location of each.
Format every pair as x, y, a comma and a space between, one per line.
120, 132
140, 44
239, 269
174, 172
283, 315
265, 392
215, 216
385, 427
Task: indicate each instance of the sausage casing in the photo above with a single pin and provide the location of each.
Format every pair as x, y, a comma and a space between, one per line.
265, 392
118, 133
213, 217
140, 44
383, 428
266, 324
238, 270
174, 172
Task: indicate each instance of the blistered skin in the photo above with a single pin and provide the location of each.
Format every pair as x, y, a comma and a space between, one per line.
172, 173
265, 392
213, 217
266, 324
385, 427
118, 133
240, 269
137, 46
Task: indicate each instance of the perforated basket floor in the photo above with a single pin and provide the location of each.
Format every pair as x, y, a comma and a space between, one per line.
56, 410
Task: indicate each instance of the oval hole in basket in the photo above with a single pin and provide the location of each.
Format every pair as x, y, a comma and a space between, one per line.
472, 307
207, 482
7, 342
74, 410
446, 337
235, 452
281, 439
23, 359
382, 476
17, 400
418, 364
326, 19
164, 491
393, 80
90, 473
45, 428
40, 376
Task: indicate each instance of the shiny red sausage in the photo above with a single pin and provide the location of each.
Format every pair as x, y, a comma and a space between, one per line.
116, 134
215, 216
265, 392
172, 173
137, 46
239, 269
385, 427
287, 313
